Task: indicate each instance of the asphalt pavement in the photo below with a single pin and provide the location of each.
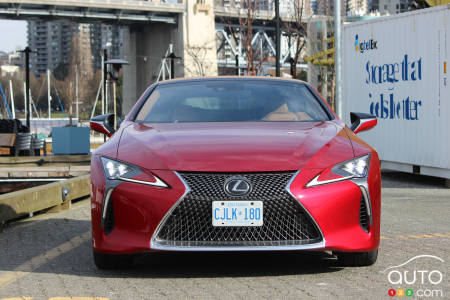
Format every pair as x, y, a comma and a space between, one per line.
49, 257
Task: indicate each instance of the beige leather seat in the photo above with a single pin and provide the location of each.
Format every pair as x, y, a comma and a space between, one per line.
283, 114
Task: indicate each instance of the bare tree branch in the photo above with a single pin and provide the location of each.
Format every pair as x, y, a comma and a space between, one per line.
198, 55
296, 30
244, 34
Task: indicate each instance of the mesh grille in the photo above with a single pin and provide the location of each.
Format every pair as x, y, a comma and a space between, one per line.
284, 222
363, 216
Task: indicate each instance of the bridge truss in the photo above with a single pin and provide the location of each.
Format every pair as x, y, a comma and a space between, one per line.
231, 52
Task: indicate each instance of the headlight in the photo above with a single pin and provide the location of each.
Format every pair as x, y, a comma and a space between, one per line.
117, 170
355, 168
114, 169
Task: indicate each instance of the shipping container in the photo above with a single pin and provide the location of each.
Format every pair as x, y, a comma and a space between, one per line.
397, 68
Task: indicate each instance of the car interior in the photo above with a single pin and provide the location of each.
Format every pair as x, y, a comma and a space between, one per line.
239, 104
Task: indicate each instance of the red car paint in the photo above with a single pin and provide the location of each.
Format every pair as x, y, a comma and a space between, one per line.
367, 125
161, 149
99, 128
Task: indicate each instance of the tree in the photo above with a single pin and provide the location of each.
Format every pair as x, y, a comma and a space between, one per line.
246, 35
17, 86
65, 77
242, 36
200, 65
61, 71
296, 31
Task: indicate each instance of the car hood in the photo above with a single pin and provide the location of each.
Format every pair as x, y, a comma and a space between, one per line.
235, 147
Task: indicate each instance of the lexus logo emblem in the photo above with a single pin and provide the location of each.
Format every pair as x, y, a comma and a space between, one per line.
238, 186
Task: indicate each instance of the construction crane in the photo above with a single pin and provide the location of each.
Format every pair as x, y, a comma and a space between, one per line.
321, 58
432, 3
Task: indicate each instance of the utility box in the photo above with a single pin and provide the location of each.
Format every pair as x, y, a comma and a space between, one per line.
70, 140
397, 68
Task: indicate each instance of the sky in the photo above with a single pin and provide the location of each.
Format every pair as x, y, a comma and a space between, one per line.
13, 34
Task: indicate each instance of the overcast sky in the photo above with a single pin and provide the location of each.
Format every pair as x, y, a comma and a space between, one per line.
13, 34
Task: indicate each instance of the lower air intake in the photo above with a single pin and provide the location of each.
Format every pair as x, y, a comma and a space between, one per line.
363, 215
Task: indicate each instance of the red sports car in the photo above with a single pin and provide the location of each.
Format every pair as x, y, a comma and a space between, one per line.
234, 164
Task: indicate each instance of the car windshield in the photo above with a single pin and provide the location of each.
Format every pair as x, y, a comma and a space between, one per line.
231, 101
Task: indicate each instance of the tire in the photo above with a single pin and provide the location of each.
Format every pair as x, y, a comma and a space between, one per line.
357, 259
112, 261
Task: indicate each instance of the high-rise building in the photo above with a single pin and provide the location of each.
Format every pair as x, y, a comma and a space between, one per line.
391, 7
81, 54
109, 37
326, 7
358, 7
54, 41
51, 42
291, 8
374, 5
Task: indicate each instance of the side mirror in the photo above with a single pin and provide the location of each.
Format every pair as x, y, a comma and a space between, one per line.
362, 122
103, 124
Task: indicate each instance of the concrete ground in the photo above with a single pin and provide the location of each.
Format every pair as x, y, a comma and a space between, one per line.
50, 256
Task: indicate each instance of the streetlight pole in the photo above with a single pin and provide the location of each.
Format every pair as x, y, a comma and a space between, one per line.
104, 78
49, 97
278, 38
27, 52
337, 57
76, 92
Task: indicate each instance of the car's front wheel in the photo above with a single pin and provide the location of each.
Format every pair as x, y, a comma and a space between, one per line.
357, 259
112, 261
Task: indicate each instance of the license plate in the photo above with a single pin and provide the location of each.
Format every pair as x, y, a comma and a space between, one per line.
237, 213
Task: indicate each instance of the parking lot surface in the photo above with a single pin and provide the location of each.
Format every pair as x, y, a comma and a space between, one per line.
50, 256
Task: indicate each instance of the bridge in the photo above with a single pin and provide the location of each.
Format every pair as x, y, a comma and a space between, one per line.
199, 32
124, 11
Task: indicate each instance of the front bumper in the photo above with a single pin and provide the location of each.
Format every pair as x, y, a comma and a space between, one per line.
141, 210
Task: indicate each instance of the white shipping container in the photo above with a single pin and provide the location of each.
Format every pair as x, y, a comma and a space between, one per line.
397, 68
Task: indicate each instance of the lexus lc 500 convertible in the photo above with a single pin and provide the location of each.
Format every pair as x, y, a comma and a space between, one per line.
234, 164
